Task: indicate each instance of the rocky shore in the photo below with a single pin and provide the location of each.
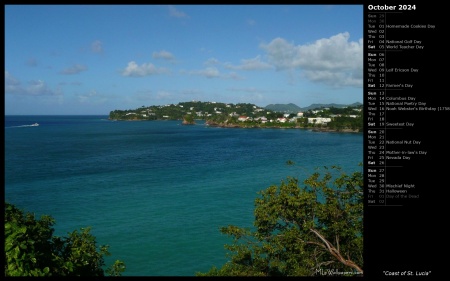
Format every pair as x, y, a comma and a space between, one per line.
316, 129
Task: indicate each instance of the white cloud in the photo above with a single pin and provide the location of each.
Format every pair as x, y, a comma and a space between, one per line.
34, 88
213, 72
336, 79
84, 97
39, 88
12, 85
173, 12
74, 69
209, 72
92, 97
163, 55
234, 76
32, 62
205, 50
97, 46
211, 61
250, 64
334, 61
145, 69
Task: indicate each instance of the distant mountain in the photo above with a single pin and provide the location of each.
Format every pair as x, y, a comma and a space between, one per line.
319, 105
287, 108
292, 108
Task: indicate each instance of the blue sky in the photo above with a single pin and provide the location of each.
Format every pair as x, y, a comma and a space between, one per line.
92, 59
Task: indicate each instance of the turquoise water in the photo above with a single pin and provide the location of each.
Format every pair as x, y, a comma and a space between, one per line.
157, 192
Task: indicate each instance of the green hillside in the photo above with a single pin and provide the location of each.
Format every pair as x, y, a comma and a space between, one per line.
197, 109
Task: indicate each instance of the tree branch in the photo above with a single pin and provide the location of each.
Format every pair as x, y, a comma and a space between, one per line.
335, 252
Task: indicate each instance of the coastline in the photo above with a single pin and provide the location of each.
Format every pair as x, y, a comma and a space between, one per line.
253, 126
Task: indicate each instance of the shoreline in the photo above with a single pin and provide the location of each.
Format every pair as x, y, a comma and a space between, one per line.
245, 126
314, 129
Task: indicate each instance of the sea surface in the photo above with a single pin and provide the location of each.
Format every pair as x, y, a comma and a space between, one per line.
157, 192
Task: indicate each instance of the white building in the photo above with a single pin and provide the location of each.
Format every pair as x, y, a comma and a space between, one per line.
319, 120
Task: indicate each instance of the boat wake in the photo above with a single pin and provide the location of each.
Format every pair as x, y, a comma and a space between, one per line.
23, 126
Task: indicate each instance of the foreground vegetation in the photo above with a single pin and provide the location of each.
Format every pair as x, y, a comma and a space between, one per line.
309, 230
32, 250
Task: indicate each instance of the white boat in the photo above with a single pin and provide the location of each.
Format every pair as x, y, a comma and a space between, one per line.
34, 125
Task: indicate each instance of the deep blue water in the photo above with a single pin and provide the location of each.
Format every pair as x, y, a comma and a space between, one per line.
157, 192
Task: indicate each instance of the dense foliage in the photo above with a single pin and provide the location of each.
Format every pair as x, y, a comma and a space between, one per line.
32, 250
188, 119
229, 115
310, 230
199, 110
341, 123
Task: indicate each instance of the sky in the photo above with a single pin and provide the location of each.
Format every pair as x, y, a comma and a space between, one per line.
93, 59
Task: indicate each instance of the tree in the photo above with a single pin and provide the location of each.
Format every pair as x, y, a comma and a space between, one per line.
188, 119
32, 250
301, 230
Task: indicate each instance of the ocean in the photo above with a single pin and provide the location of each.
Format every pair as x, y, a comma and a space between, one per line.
157, 192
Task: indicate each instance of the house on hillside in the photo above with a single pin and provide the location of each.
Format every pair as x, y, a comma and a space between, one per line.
319, 120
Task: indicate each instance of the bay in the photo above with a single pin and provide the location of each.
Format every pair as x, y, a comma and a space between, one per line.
157, 192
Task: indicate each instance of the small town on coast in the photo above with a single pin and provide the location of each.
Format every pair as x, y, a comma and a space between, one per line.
340, 118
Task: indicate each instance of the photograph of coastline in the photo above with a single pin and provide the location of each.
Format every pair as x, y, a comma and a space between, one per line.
175, 134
